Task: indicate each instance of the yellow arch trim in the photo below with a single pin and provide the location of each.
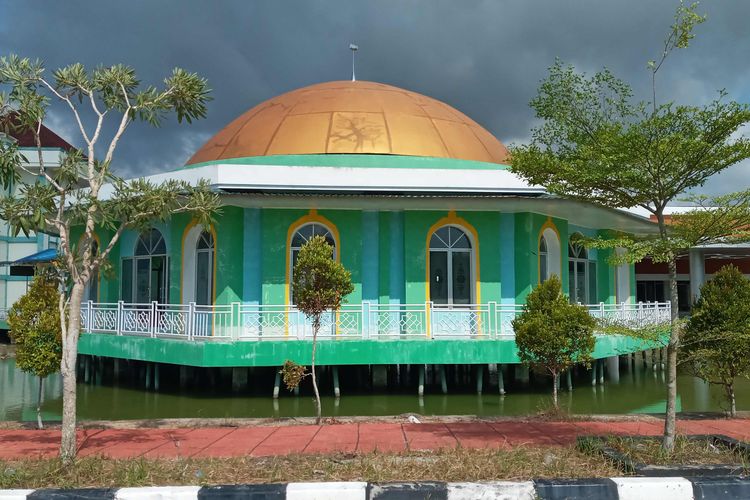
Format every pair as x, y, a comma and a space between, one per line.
312, 216
454, 220
98, 274
212, 230
548, 224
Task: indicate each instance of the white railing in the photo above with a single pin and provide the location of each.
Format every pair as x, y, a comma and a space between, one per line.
368, 320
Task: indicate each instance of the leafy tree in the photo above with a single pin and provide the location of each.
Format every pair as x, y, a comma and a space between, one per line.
83, 193
597, 145
34, 326
553, 334
716, 341
320, 285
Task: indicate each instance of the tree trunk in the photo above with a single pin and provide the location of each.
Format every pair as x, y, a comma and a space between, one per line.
732, 400
555, 377
39, 423
68, 443
670, 416
318, 412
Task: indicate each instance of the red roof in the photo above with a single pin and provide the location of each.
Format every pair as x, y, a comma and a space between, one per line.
25, 138
48, 138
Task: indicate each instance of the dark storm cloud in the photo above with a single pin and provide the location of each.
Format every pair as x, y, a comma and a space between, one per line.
485, 58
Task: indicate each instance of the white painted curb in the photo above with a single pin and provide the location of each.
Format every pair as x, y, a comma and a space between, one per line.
659, 488
327, 491
496, 490
14, 494
159, 493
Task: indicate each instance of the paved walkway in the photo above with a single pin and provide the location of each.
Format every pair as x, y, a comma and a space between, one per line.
349, 437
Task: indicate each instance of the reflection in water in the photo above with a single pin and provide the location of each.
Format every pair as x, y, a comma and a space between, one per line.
638, 391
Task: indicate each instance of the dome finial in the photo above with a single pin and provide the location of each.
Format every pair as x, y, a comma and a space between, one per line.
354, 49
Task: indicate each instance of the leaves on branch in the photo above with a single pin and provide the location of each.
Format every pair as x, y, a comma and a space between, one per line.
34, 326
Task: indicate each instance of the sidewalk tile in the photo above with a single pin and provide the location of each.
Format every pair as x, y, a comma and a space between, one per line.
286, 440
381, 437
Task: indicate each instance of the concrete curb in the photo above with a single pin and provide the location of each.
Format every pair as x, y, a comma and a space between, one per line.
617, 488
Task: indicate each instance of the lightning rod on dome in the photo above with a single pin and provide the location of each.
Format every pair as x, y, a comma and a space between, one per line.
354, 48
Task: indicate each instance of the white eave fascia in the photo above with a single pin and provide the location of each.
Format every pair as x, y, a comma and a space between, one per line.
237, 177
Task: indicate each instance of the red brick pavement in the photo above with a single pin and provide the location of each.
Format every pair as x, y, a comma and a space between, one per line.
346, 438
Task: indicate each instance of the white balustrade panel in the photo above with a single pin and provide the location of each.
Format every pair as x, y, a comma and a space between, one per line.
253, 322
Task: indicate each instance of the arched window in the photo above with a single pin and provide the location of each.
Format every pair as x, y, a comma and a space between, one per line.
302, 235
451, 267
543, 260
549, 254
204, 269
145, 276
581, 275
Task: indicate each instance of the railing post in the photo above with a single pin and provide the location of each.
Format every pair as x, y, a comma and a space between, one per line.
89, 315
299, 322
191, 321
235, 321
429, 318
365, 319
492, 319
120, 307
153, 319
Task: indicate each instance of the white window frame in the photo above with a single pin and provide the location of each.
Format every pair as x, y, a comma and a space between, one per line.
296, 248
449, 274
575, 258
211, 251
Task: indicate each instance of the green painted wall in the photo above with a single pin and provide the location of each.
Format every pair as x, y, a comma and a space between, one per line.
416, 228
177, 225
231, 266
528, 227
276, 224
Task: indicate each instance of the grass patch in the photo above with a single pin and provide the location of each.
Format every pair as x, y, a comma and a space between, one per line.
691, 456
446, 465
686, 451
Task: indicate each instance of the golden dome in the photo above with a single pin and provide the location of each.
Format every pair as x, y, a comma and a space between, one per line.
357, 118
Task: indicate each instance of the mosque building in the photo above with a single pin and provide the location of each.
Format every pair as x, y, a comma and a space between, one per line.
443, 242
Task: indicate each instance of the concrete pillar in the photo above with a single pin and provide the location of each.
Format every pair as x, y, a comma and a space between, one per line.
697, 273
87, 369
239, 378
593, 371
569, 378
479, 371
336, 388
184, 376
500, 381
98, 370
116, 370
443, 380
277, 385
148, 376
601, 371
156, 376
420, 389
613, 369
522, 373
379, 376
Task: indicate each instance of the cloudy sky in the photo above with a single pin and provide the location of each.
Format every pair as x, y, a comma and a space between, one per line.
484, 57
